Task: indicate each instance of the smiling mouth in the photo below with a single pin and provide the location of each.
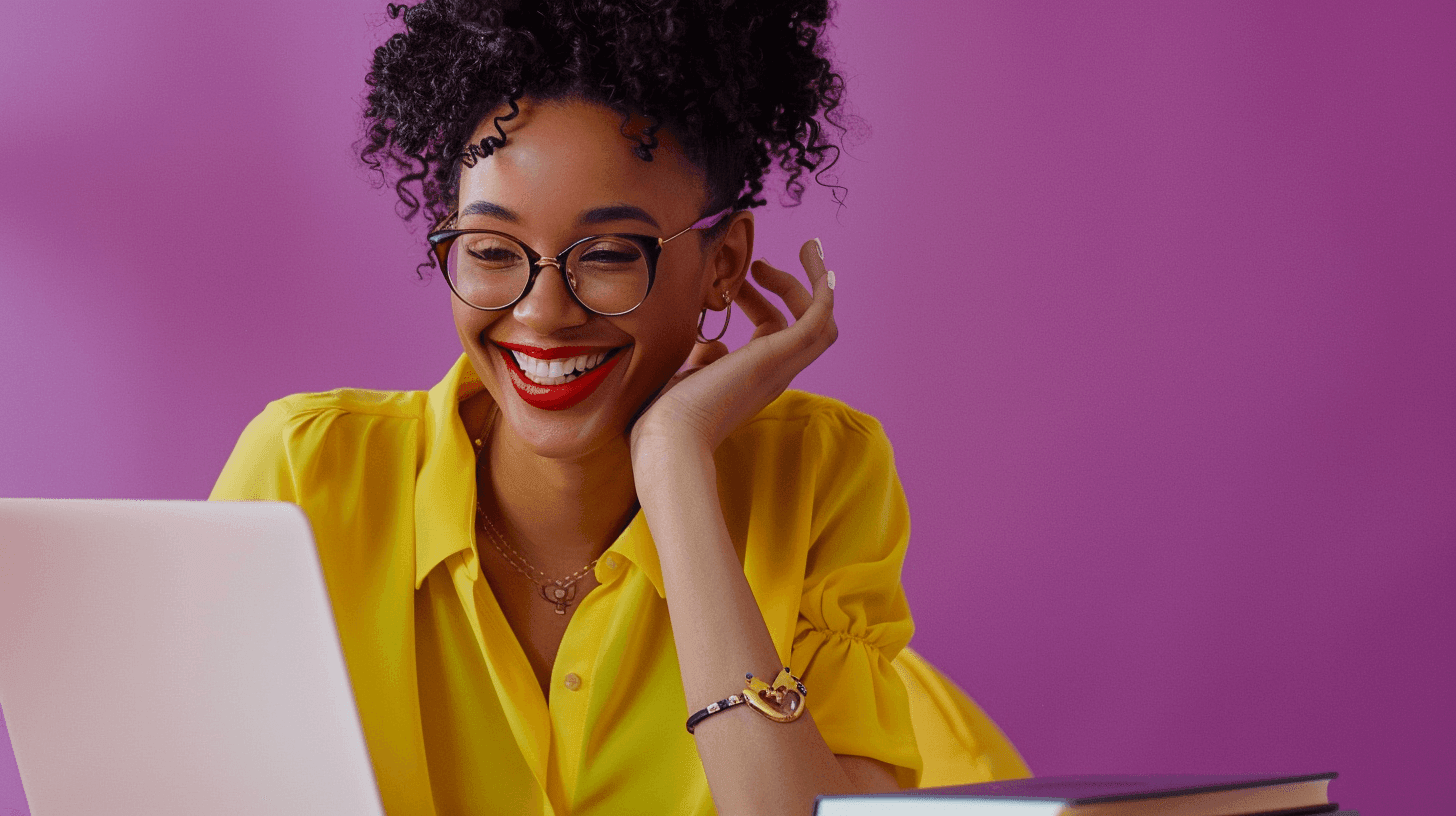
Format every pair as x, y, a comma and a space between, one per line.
558, 372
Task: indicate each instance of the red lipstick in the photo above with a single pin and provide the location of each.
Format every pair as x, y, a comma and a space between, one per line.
556, 397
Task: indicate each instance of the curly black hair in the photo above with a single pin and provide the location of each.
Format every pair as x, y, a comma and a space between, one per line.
737, 82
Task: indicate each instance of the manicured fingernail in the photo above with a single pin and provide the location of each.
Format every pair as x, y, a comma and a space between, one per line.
831, 280
819, 247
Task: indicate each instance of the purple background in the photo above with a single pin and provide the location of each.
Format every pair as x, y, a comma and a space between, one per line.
1156, 301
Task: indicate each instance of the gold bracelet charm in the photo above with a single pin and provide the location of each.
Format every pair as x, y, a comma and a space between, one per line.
781, 702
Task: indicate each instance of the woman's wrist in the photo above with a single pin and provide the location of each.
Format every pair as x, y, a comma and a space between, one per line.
657, 446
671, 421
668, 467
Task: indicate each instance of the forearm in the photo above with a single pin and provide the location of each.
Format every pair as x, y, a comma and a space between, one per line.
753, 765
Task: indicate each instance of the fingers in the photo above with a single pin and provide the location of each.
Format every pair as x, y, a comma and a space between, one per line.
818, 318
815, 312
813, 329
786, 286
766, 317
795, 296
811, 255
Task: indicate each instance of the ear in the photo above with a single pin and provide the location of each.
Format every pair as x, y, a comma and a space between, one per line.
729, 257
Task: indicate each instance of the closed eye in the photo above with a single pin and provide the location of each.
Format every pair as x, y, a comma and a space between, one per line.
607, 256
497, 255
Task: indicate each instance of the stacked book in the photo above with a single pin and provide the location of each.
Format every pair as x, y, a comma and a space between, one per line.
1151, 795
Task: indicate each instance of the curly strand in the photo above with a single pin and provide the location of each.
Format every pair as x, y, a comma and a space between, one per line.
742, 84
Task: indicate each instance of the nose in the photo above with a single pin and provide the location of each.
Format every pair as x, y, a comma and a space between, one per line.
549, 306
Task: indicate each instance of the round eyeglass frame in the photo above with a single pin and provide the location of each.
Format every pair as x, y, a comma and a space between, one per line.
441, 238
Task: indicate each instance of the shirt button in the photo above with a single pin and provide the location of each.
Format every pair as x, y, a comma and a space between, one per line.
572, 681
610, 561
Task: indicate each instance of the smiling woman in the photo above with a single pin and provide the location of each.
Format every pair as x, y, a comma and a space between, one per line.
569, 184
662, 516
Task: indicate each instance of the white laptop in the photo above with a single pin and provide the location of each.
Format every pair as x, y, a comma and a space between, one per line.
163, 657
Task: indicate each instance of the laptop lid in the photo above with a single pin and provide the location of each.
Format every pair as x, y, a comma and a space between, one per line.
167, 657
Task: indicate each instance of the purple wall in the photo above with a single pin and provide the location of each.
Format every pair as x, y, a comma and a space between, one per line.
1156, 301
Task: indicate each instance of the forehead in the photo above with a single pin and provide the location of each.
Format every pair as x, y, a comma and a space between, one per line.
561, 158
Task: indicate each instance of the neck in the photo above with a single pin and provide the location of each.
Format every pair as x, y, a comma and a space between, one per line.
559, 513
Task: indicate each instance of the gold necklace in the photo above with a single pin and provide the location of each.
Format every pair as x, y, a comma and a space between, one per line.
559, 592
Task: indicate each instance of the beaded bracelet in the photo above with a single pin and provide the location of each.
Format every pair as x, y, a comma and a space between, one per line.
781, 702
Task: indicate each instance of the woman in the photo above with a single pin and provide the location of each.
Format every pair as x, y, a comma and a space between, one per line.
543, 565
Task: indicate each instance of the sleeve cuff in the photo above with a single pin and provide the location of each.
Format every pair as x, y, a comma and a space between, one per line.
858, 700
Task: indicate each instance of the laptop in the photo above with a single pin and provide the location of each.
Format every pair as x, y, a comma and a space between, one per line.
168, 657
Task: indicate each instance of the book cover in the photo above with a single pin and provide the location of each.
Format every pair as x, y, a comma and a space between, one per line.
1233, 795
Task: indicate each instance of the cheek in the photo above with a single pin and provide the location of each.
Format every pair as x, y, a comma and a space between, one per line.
681, 302
469, 323
673, 336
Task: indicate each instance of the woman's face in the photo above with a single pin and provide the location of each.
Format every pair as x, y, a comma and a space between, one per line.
565, 173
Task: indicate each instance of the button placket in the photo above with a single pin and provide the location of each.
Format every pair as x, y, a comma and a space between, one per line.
571, 690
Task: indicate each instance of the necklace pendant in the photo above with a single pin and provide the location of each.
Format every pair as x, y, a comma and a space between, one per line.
559, 596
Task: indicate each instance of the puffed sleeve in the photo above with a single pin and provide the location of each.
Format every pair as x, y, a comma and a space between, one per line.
258, 469
853, 615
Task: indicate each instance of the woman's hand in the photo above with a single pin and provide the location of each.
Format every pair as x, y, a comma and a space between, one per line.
717, 391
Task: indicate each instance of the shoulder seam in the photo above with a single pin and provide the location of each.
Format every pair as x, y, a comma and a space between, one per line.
297, 405
816, 407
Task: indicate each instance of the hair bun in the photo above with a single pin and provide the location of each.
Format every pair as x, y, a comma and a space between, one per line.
742, 84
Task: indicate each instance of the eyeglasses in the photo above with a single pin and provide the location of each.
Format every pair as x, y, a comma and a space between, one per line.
607, 274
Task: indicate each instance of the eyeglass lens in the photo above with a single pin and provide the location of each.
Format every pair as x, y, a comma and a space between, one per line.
608, 274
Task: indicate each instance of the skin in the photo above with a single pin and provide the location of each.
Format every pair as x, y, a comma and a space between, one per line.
589, 466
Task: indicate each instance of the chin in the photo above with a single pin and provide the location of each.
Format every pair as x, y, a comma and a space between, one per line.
556, 435
591, 427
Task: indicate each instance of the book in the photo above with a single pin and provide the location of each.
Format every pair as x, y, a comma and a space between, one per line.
1095, 795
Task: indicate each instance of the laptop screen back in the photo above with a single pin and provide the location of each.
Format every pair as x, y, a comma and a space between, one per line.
174, 657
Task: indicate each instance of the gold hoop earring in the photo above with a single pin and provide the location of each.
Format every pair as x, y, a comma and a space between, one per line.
728, 315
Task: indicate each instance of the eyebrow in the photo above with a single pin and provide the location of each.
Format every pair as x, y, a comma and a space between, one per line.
491, 209
618, 212
596, 215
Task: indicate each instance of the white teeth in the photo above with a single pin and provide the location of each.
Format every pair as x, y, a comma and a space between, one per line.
556, 372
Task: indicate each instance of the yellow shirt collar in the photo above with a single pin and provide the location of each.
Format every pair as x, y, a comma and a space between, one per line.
444, 497
636, 545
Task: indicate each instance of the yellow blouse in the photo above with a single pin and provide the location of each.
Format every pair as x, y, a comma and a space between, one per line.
452, 713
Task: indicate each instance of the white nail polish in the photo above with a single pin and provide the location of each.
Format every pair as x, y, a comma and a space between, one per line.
831, 280
819, 247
